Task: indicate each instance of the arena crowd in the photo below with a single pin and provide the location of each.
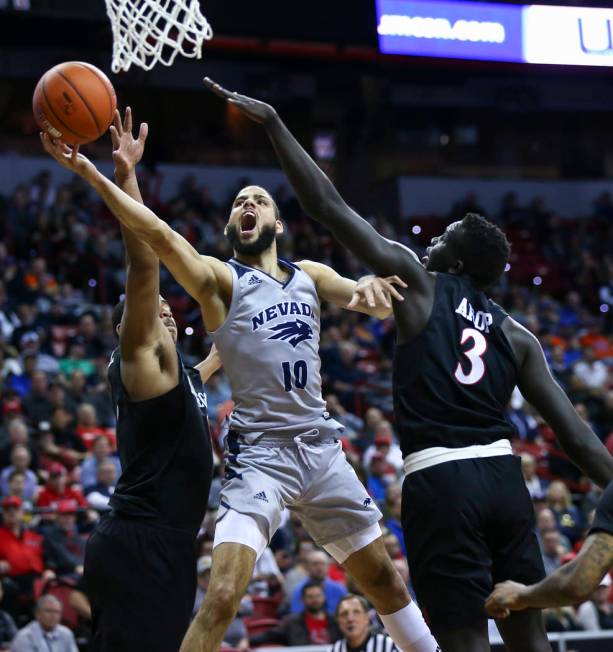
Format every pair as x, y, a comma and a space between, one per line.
61, 272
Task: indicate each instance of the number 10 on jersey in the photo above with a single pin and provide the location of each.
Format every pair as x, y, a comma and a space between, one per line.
296, 377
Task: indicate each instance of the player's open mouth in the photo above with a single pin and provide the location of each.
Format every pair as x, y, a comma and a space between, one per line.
248, 222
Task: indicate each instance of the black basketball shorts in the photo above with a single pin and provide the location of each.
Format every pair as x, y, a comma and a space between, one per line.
141, 581
467, 525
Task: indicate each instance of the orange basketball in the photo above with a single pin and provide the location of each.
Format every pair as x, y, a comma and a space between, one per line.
74, 101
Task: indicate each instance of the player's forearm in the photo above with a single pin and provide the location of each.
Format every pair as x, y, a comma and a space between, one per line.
322, 201
138, 253
133, 215
587, 451
556, 590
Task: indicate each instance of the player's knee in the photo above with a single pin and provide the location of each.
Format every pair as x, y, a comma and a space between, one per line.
224, 600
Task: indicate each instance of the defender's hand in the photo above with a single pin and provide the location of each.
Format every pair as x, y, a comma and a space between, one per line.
69, 158
127, 150
253, 109
377, 292
505, 597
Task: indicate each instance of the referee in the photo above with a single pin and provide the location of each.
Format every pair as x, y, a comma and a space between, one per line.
354, 622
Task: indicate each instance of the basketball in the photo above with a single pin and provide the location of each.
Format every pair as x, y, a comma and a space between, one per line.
75, 102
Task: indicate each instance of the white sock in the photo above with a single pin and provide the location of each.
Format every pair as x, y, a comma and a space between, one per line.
409, 631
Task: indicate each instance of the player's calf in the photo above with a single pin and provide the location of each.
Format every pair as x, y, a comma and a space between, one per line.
374, 572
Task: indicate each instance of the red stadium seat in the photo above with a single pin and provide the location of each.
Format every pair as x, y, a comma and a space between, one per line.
259, 625
264, 607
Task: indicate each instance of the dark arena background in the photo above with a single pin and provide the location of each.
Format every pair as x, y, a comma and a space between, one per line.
416, 123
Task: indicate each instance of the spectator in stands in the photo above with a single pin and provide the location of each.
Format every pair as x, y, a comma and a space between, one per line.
21, 550
597, 612
29, 345
533, 482
317, 571
8, 629
568, 517
36, 404
57, 489
385, 445
99, 494
313, 626
87, 336
17, 483
546, 521
45, 634
380, 476
64, 547
20, 463
18, 434
392, 545
79, 392
298, 574
354, 622
88, 428
100, 452
63, 428
373, 418
218, 392
353, 424
552, 552
591, 372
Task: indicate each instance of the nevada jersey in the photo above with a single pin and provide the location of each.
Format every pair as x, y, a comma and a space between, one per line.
269, 344
453, 382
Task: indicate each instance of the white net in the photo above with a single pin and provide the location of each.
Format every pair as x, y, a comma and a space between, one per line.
146, 32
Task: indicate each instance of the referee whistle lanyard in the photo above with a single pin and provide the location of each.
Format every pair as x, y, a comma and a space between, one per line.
304, 448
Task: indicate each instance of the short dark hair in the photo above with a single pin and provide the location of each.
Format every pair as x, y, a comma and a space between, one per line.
484, 250
353, 596
117, 315
309, 585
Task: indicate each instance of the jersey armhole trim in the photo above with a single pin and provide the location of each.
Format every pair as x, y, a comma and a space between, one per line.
233, 303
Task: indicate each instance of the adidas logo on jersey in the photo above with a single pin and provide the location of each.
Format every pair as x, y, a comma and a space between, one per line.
254, 280
261, 496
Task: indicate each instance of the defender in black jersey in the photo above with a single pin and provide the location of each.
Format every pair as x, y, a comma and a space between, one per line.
140, 562
467, 515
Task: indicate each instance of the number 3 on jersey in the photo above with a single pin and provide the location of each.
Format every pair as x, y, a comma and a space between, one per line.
474, 355
299, 375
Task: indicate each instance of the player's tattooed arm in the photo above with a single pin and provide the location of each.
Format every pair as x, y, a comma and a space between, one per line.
371, 295
540, 389
321, 201
570, 584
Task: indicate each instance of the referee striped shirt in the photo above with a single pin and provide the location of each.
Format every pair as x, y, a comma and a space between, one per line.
374, 643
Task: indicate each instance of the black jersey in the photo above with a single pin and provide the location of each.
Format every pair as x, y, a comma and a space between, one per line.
165, 451
603, 519
452, 383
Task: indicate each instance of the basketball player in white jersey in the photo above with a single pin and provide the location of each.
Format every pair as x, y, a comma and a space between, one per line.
282, 449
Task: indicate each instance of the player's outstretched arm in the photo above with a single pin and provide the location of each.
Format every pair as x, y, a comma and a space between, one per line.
371, 295
569, 585
205, 278
149, 361
140, 328
321, 201
541, 390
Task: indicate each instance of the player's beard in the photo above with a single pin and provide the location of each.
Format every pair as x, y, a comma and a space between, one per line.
255, 248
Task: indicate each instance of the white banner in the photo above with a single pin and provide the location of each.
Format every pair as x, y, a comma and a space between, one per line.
568, 35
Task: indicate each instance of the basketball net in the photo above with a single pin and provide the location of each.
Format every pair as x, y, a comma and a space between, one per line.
146, 32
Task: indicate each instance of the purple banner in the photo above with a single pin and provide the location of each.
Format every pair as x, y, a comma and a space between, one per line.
463, 30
